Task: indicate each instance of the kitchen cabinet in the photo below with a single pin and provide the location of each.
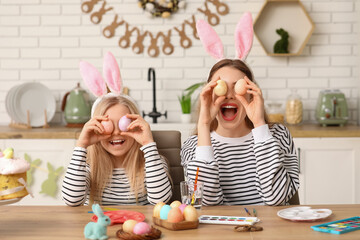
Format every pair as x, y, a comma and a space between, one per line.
329, 170
57, 152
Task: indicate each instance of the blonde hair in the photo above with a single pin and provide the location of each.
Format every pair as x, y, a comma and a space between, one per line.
101, 162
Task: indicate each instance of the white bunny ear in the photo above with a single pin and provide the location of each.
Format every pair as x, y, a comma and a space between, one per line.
210, 39
244, 36
111, 73
92, 79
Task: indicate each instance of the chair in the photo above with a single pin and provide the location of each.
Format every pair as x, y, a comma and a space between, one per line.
295, 199
169, 146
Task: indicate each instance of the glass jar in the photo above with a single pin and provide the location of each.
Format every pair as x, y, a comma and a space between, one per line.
294, 108
275, 112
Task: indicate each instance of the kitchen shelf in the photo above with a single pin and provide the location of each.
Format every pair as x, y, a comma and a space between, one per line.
289, 15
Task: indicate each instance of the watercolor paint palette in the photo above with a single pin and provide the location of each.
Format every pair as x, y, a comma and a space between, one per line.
230, 220
340, 226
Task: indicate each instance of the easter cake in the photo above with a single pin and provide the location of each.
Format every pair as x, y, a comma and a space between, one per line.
12, 175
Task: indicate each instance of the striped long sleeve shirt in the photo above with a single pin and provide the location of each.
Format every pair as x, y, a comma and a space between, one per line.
260, 168
76, 183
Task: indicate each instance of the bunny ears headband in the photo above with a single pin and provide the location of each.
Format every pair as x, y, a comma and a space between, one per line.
96, 83
243, 38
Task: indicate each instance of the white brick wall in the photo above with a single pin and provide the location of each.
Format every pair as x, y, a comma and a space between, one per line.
44, 40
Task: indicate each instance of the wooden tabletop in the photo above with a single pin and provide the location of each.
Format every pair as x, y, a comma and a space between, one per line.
62, 132
62, 222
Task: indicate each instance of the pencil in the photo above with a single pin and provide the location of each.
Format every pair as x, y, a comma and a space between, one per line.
254, 212
195, 185
247, 212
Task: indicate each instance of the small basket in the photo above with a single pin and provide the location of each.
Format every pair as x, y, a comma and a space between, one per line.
184, 225
153, 234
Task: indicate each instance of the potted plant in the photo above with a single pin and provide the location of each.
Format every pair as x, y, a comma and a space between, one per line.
186, 102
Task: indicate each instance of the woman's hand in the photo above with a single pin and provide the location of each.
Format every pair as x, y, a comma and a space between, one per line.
254, 108
208, 107
92, 132
139, 129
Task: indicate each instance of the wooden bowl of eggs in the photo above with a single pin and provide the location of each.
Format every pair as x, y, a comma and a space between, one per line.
134, 230
175, 216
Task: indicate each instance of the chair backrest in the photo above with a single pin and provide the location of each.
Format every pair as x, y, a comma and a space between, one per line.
169, 146
295, 199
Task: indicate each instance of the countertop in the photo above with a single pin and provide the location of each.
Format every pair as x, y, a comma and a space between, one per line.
62, 132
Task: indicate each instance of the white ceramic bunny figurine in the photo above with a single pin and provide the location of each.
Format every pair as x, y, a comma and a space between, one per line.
97, 230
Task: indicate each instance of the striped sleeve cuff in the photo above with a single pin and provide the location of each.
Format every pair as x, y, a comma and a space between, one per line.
261, 134
147, 147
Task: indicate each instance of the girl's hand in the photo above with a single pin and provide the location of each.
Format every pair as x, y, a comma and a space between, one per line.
254, 108
92, 132
139, 129
208, 107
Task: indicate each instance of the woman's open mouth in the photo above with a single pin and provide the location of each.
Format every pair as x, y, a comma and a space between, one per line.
117, 142
229, 111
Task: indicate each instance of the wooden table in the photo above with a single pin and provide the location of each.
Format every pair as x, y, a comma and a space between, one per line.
62, 222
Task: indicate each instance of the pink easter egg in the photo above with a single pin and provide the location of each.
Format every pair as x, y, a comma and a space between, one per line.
124, 122
141, 228
108, 126
182, 207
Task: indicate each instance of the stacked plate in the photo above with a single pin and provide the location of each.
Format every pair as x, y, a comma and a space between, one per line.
33, 97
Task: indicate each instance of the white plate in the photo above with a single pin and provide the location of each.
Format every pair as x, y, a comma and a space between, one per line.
9, 102
304, 214
36, 98
9, 201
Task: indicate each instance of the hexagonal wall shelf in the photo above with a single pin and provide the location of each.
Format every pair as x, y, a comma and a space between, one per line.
289, 15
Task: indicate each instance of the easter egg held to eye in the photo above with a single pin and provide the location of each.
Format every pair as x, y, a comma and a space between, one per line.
157, 208
124, 122
108, 126
129, 225
164, 212
141, 228
221, 88
175, 215
240, 87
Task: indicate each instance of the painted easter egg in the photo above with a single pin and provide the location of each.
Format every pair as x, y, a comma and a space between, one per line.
124, 122
141, 228
240, 87
175, 215
221, 88
175, 204
164, 212
108, 126
190, 213
129, 225
182, 207
157, 208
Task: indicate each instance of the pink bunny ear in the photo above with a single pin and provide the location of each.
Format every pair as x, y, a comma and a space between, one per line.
111, 72
92, 79
244, 36
210, 39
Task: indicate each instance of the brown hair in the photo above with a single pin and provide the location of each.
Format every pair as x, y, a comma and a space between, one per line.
101, 162
241, 66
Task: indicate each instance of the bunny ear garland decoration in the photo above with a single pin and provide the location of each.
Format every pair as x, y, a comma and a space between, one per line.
243, 38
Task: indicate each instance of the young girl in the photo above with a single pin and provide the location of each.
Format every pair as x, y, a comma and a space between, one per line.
242, 159
114, 167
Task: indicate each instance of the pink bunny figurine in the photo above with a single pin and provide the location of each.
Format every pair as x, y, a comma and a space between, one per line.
98, 230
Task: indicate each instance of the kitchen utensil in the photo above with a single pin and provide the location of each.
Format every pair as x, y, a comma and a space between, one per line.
77, 107
331, 108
